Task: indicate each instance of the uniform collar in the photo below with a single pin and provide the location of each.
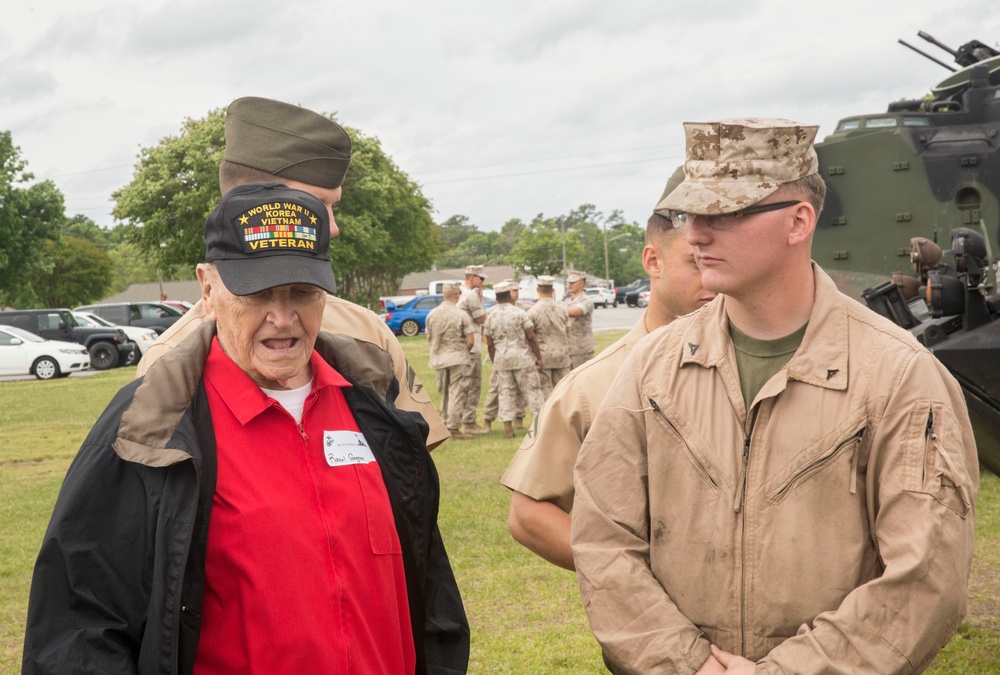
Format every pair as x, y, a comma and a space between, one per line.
820, 360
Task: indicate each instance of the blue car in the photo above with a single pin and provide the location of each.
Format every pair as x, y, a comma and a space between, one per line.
410, 318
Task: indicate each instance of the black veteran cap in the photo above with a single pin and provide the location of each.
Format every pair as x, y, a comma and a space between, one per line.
287, 141
263, 235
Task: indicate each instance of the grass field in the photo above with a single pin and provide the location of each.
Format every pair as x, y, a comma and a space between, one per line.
525, 614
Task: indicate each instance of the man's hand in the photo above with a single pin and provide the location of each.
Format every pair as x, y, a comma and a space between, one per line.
711, 667
735, 665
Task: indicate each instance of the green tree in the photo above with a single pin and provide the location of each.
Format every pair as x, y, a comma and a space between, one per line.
81, 273
385, 222
455, 230
173, 189
386, 227
30, 216
539, 247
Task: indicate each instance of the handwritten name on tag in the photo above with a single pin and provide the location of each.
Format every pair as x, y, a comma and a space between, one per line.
343, 448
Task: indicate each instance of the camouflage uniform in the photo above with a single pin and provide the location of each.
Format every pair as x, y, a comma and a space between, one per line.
550, 322
447, 328
513, 361
472, 304
580, 330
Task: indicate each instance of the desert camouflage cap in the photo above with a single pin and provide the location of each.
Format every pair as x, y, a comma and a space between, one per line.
476, 270
503, 287
732, 164
546, 280
576, 276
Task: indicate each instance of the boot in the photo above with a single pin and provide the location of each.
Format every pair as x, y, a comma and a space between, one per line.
508, 430
477, 430
487, 426
458, 435
518, 422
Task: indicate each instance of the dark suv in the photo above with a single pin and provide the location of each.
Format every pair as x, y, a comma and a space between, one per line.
107, 346
630, 294
155, 316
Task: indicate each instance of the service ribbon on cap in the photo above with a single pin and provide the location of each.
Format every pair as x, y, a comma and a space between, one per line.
278, 225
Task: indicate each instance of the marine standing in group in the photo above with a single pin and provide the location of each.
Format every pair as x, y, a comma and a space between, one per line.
471, 303
516, 359
580, 328
492, 406
550, 320
450, 336
794, 477
541, 473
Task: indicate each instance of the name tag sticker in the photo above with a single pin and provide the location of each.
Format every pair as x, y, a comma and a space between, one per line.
343, 448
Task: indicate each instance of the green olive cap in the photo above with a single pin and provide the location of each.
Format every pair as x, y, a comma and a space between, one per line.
287, 141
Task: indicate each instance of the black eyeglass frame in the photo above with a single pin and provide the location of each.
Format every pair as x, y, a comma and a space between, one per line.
680, 218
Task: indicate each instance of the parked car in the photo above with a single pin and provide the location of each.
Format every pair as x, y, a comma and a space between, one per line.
140, 338
181, 305
410, 318
108, 347
24, 353
643, 299
602, 297
622, 292
153, 315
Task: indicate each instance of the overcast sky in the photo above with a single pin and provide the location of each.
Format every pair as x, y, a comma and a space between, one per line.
497, 109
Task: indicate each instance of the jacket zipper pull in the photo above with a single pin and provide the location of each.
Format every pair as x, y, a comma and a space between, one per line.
742, 487
929, 431
302, 432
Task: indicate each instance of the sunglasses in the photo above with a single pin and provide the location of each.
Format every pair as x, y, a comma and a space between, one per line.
726, 221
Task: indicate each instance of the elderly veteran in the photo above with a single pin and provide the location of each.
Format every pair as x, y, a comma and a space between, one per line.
794, 477
580, 326
247, 506
267, 140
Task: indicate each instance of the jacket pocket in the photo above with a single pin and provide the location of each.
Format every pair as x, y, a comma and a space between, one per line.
934, 463
700, 462
381, 524
849, 444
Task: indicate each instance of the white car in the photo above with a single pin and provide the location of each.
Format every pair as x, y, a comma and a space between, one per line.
24, 353
602, 297
643, 300
141, 337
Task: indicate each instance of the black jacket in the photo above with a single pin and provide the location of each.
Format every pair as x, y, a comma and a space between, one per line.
118, 584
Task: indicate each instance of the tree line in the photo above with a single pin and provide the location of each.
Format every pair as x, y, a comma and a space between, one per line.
49, 259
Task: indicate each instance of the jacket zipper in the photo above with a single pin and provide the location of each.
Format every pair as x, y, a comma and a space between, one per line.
737, 506
820, 462
691, 454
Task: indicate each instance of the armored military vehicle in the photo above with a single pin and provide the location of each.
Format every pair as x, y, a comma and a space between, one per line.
919, 185
920, 169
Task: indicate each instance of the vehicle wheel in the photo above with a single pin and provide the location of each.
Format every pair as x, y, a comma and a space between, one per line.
103, 355
133, 356
614, 305
409, 328
45, 368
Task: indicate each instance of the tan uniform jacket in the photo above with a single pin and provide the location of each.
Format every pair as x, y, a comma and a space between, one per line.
550, 328
339, 317
447, 328
830, 531
543, 465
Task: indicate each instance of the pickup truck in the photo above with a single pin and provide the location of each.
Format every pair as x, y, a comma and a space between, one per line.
108, 347
155, 316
